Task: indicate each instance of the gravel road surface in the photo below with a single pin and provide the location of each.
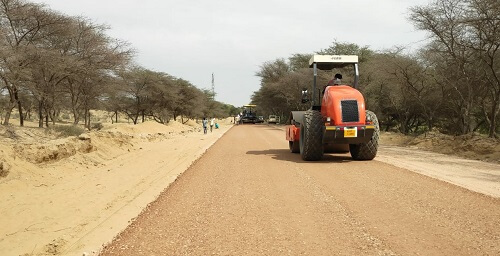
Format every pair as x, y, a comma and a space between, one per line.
249, 195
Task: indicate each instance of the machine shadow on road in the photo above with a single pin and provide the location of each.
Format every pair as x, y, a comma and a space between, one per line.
266, 127
285, 155
273, 128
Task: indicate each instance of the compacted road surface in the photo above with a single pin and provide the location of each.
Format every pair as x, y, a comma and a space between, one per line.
249, 195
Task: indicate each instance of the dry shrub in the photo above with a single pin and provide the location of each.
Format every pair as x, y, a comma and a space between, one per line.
68, 130
4, 169
97, 126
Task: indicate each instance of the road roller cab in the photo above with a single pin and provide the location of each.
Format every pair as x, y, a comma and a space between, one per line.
337, 120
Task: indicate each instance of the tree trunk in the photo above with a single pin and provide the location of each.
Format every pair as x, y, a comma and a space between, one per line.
116, 116
7, 115
8, 112
76, 119
19, 108
465, 119
26, 114
430, 123
52, 116
11, 105
76, 115
493, 121
87, 118
74, 102
40, 114
404, 123
135, 118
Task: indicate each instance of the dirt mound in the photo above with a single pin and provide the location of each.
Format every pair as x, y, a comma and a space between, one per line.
58, 191
37, 145
475, 146
53, 151
149, 128
15, 134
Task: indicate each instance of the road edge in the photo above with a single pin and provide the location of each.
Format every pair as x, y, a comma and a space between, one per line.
115, 224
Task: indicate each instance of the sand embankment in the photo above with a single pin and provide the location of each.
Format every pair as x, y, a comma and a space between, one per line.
69, 196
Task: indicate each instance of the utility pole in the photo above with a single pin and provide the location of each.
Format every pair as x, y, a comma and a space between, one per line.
213, 87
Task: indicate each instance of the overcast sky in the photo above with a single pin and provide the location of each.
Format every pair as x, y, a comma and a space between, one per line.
193, 39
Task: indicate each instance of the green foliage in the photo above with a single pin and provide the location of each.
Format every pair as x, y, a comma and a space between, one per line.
272, 71
281, 88
342, 48
412, 93
53, 62
464, 52
298, 61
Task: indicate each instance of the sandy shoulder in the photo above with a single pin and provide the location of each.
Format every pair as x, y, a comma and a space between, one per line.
75, 205
478, 176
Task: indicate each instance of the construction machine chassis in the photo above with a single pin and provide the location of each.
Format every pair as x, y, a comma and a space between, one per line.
340, 123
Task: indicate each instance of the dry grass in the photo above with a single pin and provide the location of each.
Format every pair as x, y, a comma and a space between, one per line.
67, 130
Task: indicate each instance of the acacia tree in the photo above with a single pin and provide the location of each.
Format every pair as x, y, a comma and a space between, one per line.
483, 20
281, 85
93, 58
141, 92
466, 38
299, 61
57, 62
273, 71
164, 94
136, 84
190, 102
101, 57
343, 48
23, 25
209, 103
41, 50
46, 75
269, 98
112, 98
282, 80
402, 90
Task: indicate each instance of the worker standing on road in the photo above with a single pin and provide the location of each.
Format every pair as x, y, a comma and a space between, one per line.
205, 124
237, 119
212, 122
